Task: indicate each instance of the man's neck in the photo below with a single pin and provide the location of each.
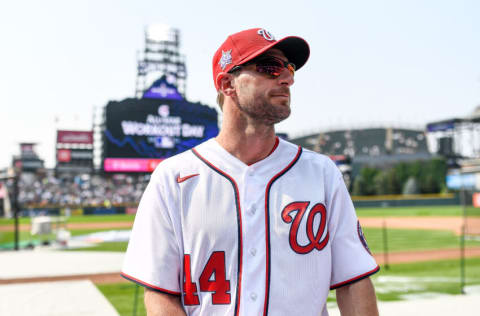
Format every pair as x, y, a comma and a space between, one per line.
248, 142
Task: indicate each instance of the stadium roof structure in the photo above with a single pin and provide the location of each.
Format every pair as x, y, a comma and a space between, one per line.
449, 124
369, 142
462, 134
378, 147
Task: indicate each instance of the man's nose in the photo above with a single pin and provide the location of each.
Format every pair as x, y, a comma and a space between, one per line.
286, 78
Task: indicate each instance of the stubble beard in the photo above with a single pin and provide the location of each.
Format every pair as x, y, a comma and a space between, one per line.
262, 111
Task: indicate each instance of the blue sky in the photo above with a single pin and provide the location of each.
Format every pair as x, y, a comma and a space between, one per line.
372, 62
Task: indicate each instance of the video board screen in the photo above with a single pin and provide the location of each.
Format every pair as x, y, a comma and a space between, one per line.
152, 130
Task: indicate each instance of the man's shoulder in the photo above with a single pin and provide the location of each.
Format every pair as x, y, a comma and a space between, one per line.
317, 157
174, 164
179, 160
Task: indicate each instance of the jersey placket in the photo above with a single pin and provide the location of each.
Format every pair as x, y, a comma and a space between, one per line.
253, 199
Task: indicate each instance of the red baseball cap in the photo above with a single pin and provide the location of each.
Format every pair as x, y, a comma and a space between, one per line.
246, 45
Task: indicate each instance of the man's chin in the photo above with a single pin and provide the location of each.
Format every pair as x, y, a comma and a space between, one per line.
282, 116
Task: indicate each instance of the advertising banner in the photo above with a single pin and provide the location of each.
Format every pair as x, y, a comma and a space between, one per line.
141, 131
64, 155
130, 164
27, 149
476, 199
462, 181
74, 137
74, 160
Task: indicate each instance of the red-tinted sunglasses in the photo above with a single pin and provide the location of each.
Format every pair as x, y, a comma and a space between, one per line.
269, 65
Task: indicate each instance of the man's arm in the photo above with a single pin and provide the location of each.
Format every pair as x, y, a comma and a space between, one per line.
160, 304
357, 299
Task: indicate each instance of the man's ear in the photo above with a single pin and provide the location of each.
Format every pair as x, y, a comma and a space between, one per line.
226, 83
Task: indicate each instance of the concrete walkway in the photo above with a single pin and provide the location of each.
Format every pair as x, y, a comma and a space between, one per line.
59, 298
73, 298
49, 263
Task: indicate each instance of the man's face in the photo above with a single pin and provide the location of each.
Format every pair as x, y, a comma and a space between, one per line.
262, 97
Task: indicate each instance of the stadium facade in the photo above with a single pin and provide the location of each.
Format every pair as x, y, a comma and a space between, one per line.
376, 147
458, 139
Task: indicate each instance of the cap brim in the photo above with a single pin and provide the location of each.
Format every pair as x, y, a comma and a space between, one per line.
296, 50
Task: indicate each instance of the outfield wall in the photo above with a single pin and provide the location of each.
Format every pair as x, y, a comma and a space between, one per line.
406, 200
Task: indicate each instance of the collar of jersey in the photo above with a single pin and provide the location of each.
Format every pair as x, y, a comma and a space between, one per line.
222, 159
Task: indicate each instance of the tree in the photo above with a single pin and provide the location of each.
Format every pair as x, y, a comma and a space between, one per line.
403, 178
365, 181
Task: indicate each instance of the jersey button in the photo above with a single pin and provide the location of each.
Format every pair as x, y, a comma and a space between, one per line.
253, 296
253, 251
252, 210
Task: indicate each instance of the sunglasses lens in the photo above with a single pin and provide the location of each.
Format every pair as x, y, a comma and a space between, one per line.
270, 70
274, 66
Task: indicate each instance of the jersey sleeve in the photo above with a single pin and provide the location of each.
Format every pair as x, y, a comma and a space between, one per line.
351, 258
152, 258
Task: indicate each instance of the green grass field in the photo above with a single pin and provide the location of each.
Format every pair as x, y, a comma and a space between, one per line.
78, 219
122, 296
105, 246
7, 238
413, 240
416, 211
441, 277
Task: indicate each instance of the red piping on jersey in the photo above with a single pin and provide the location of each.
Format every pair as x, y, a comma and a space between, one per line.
150, 286
267, 227
355, 279
271, 151
239, 218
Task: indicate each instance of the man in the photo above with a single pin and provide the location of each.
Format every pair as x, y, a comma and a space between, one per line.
248, 224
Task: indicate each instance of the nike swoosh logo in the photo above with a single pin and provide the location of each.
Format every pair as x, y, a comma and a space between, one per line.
181, 179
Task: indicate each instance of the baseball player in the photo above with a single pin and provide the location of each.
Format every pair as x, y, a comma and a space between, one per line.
246, 223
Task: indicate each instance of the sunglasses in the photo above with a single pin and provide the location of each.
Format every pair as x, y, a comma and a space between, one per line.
269, 65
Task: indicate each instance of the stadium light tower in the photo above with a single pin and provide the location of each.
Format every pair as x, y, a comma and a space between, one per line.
161, 57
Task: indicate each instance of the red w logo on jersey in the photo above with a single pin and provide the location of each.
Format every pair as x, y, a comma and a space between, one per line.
316, 241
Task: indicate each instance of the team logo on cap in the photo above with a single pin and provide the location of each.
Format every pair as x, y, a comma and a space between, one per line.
266, 35
226, 59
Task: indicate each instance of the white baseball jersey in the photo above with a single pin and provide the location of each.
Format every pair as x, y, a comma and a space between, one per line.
271, 238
